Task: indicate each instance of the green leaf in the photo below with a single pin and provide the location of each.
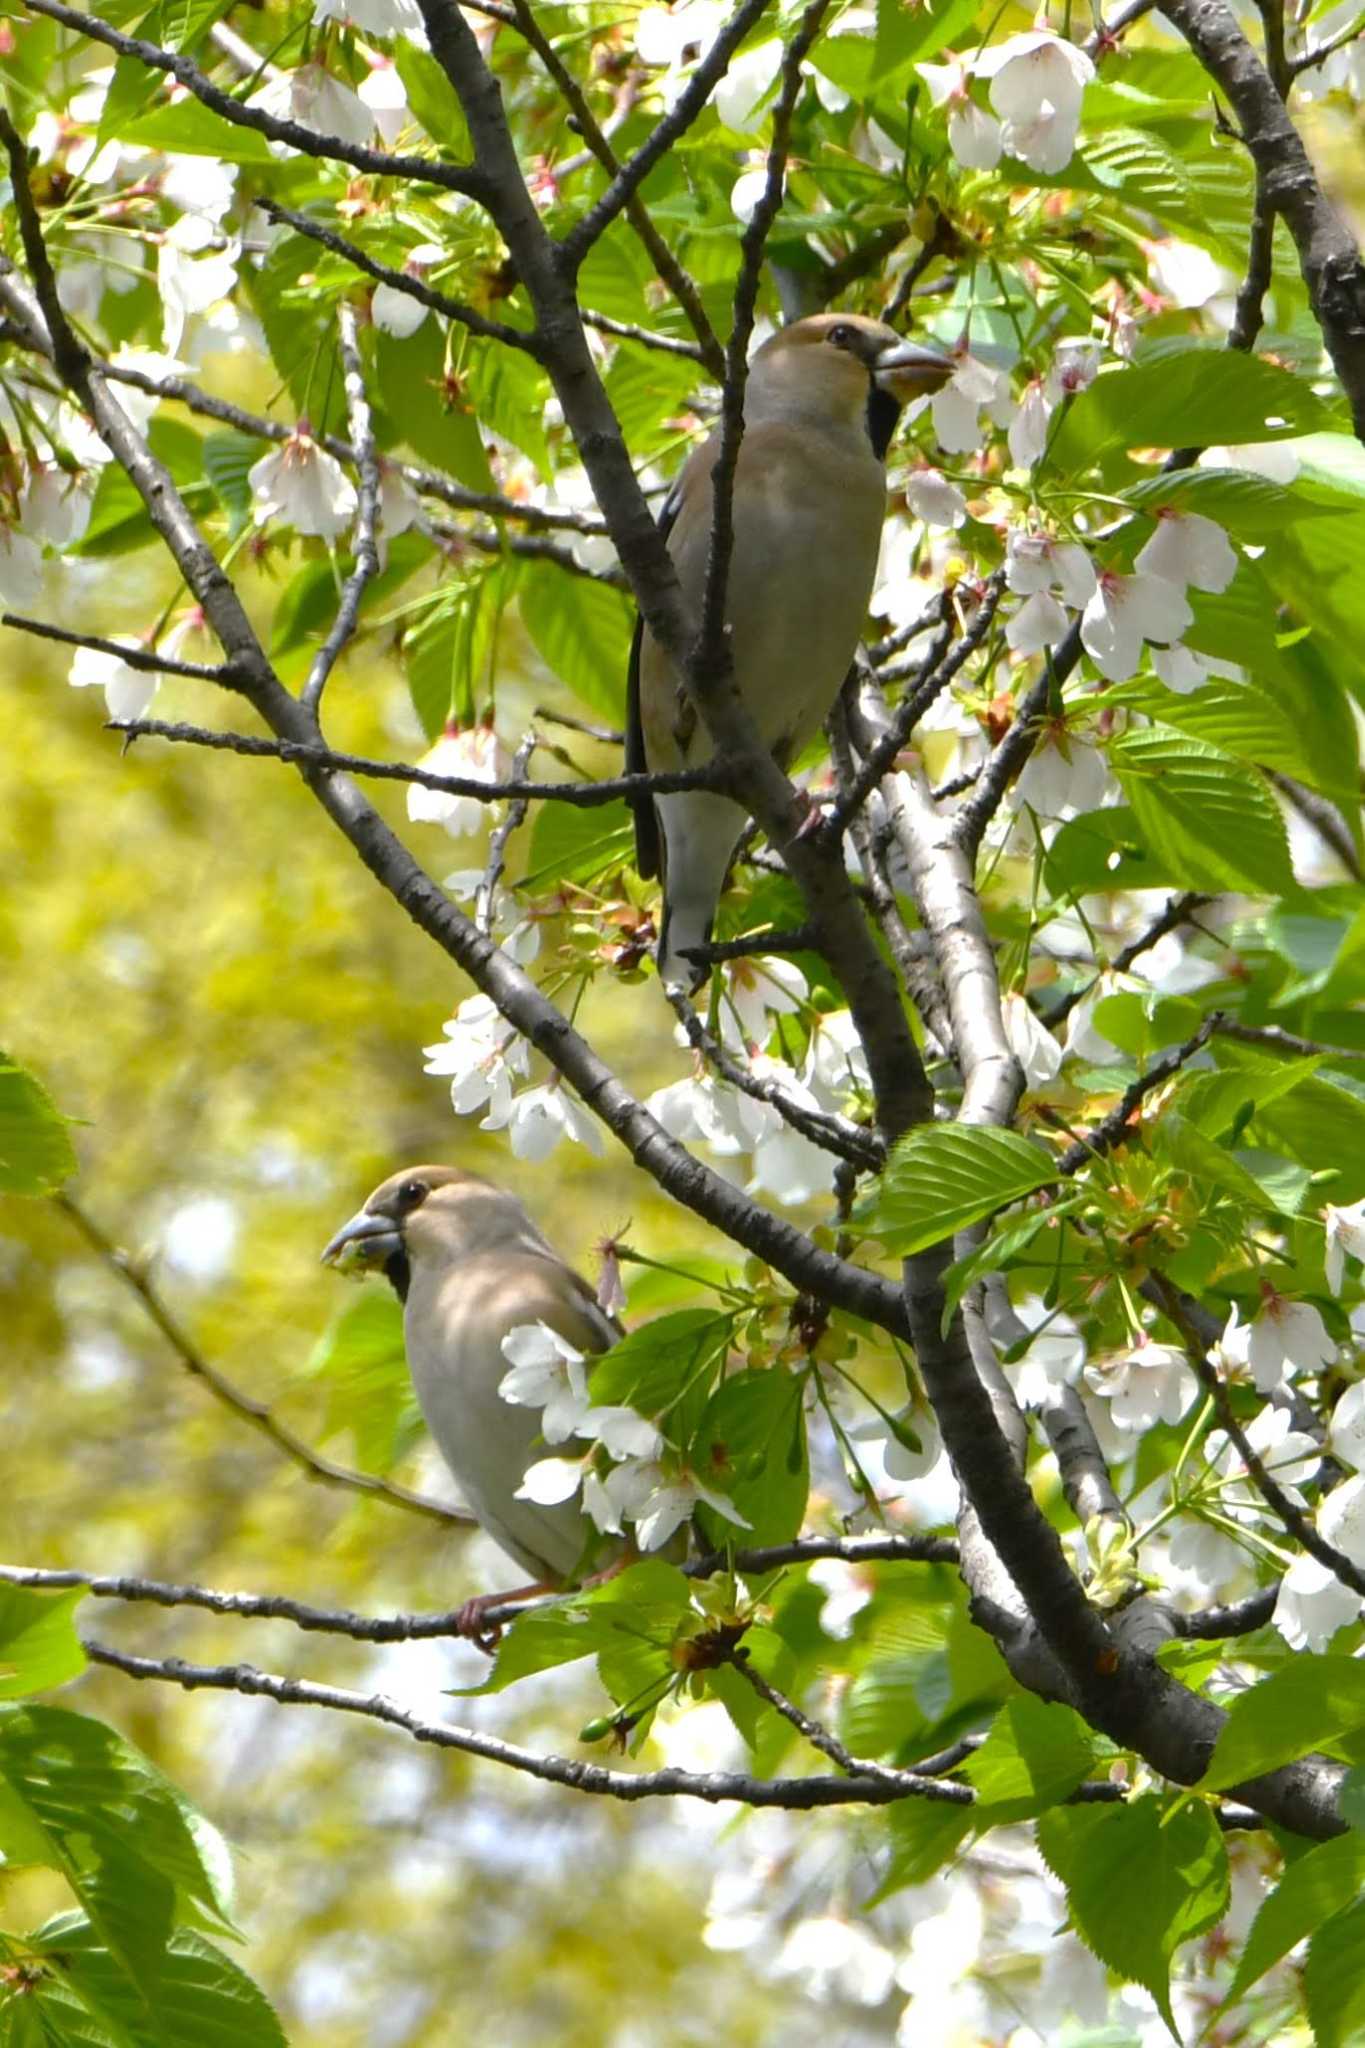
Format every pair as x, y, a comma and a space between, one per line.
369, 1389
655, 1366
435, 419
1035, 1755
751, 1446
1351, 1799
1308, 1702
1213, 1101
36, 1154
647, 391
1319, 1884
1250, 506
911, 35
573, 845
1198, 395
204, 1999
645, 1603
581, 630
227, 458
944, 1176
39, 1647
1210, 820
1103, 850
1207, 1165
1334, 1980
432, 98
189, 128
924, 1834
1141, 1879
112, 1825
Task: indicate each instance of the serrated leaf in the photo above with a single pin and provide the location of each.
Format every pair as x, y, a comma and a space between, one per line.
652, 1367
1212, 1101
1035, 1755
1319, 1884
1198, 396
363, 1362
1141, 1879
431, 97
204, 1999
36, 1154
1103, 850
189, 128
751, 1446
227, 458
39, 1647
644, 1603
1250, 506
945, 1176
1334, 1980
924, 1834
572, 845
581, 630
1308, 1702
1209, 819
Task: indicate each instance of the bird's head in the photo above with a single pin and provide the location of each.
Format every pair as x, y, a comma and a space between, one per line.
846, 367
429, 1214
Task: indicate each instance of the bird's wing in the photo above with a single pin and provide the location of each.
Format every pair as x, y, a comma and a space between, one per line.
648, 846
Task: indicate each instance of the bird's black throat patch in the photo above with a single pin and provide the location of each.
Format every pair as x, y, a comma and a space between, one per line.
398, 1273
882, 413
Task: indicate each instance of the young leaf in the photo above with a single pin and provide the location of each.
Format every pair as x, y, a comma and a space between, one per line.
39, 1647
35, 1152
1035, 1755
1334, 1980
1309, 1701
1312, 1889
944, 1176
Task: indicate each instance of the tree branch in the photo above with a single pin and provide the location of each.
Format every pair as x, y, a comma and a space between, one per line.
365, 548
257, 1413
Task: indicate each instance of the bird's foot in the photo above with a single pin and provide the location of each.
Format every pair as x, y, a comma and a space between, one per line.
472, 1620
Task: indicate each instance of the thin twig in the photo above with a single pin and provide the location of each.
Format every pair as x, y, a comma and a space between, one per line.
243, 1405
831, 1133
1113, 1129
1243, 1618
583, 795
140, 658
1352, 31
486, 898
625, 330
430, 296
1179, 910
1276, 1039
366, 548
829, 1745
463, 178
663, 258
797, 1794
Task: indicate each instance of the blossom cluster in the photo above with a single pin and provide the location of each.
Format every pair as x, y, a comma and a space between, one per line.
629, 1473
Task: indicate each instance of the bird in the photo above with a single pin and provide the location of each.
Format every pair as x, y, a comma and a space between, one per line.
820, 407
469, 1265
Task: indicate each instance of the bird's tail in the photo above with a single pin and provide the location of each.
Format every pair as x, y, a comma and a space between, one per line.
700, 831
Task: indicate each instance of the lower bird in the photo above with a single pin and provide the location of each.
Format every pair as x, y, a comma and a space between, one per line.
820, 408
470, 1266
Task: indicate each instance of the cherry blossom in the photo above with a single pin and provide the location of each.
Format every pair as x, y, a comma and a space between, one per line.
55, 503
539, 1118
302, 484
471, 752
1028, 430
1032, 1044
933, 499
1037, 85
189, 279
383, 92
127, 691
673, 38
21, 568
1286, 1338
957, 407
746, 192
374, 17
1125, 611
1346, 1431
973, 135
397, 312
1039, 622
1063, 776
312, 97
1151, 1383
758, 988
547, 1372
1312, 1604
1055, 1356
740, 95
1345, 1229
1038, 562
835, 1060
1075, 364
483, 1055
1187, 548
1181, 669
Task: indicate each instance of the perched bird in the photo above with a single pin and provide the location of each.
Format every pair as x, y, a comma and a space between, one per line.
469, 1265
820, 408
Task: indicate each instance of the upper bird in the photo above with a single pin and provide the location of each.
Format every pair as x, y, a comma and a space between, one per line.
469, 1266
820, 408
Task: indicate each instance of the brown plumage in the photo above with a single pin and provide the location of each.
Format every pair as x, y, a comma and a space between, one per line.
809, 500
470, 1266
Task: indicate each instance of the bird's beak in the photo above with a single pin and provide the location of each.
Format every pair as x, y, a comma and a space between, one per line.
367, 1240
909, 369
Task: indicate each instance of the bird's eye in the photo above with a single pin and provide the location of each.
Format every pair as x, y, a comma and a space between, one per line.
842, 335
412, 1192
